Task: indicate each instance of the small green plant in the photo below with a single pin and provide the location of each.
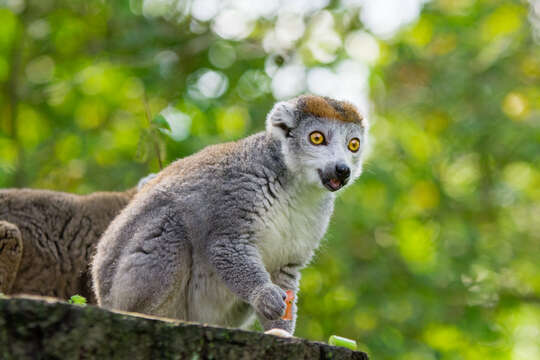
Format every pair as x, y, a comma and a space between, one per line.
341, 341
77, 300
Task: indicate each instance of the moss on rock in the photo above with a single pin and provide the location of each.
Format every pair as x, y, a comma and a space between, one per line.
37, 327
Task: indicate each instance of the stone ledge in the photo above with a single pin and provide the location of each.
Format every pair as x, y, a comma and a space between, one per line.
45, 328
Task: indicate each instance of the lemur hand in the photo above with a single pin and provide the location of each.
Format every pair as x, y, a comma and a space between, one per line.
269, 300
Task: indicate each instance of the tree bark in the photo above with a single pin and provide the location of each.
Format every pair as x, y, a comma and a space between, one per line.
44, 328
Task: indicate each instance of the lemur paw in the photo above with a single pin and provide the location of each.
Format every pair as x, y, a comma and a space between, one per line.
269, 301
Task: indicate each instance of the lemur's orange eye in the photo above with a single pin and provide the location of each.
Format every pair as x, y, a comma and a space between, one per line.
354, 145
316, 138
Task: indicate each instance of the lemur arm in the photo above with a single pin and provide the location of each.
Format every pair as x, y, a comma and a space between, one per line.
239, 265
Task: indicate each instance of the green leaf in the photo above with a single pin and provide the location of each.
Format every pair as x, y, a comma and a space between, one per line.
160, 121
77, 300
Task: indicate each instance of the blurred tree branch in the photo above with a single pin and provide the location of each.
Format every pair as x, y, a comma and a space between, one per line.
152, 139
520, 298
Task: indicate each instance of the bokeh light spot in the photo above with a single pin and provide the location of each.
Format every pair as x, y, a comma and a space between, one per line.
40, 70
515, 105
232, 122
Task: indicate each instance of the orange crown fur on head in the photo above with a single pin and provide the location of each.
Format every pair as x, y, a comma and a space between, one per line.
325, 107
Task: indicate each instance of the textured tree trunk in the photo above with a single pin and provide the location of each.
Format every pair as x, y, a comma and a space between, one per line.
43, 328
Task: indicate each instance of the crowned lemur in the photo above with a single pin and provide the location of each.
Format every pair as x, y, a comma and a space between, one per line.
47, 239
221, 234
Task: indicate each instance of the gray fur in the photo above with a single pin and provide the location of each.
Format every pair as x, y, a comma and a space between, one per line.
145, 180
58, 239
47, 239
221, 234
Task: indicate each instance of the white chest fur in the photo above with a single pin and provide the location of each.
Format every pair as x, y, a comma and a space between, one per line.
294, 227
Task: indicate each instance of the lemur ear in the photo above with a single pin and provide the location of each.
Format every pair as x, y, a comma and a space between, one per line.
281, 119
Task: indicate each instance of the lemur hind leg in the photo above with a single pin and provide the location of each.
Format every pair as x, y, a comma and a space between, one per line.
11, 251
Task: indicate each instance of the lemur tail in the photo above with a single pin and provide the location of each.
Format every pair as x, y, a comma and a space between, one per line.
11, 250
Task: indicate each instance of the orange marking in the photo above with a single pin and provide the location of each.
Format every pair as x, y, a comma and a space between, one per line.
325, 107
289, 301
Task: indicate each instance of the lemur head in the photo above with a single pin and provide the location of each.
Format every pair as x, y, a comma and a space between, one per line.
322, 139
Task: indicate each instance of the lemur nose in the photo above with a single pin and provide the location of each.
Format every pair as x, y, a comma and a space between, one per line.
342, 171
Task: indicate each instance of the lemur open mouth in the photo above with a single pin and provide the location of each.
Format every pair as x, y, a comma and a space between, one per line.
332, 184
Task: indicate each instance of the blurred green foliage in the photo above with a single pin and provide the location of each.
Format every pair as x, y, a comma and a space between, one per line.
433, 254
